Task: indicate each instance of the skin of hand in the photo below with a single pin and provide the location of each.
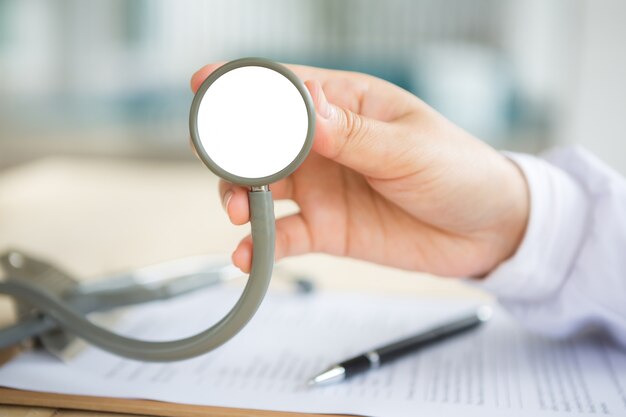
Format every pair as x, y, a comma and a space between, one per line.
391, 181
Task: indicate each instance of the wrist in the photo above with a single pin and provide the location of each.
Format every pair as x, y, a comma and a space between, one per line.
559, 210
509, 229
518, 213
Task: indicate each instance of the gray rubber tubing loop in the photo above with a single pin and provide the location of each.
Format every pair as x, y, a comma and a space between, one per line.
263, 238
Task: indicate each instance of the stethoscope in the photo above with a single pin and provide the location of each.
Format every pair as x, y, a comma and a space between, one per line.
252, 123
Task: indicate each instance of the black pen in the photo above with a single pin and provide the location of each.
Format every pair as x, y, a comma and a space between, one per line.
385, 354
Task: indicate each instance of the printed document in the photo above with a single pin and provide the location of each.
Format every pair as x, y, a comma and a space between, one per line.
497, 370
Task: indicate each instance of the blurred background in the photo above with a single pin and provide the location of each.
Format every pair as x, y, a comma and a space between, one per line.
96, 173
111, 77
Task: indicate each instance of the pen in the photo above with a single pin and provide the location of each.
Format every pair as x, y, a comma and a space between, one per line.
385, 354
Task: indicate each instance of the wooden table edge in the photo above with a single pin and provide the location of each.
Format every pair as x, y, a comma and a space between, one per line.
10, 396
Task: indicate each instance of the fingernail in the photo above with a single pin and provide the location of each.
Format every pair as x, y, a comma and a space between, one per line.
325, 109
226, 199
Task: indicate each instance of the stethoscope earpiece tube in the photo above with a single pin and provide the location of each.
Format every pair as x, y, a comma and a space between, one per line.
263, 235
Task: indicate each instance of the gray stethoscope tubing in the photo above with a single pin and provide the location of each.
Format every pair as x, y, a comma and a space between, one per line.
263, 237
262, 223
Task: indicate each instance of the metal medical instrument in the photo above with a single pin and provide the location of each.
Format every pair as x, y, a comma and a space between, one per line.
151, 283
252, 123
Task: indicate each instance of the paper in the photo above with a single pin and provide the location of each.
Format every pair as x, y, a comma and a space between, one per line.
498, 370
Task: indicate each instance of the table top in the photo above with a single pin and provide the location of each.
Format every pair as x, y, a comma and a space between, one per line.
97, 216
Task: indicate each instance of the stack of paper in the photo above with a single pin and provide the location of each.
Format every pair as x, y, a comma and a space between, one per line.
497, 370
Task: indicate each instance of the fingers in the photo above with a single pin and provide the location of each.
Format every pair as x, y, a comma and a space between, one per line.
235, 202
199, 76
292, 238
369, 146
303, 72
235, 198
242, 256
360, 93
355, 125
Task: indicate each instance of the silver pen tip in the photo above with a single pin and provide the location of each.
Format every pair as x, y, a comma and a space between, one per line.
331, 375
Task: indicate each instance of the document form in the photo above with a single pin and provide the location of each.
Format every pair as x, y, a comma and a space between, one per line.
496, 370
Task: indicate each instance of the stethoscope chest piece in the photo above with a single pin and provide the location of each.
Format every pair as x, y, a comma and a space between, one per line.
252, 122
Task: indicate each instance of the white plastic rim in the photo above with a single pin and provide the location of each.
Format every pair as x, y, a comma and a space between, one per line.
252, 122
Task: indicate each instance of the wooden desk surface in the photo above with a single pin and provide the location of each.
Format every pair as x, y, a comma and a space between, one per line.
95, 216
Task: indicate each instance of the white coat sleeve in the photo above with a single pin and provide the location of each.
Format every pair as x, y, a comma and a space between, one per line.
569, 273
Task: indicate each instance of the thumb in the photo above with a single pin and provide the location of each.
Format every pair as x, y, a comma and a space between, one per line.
366, 145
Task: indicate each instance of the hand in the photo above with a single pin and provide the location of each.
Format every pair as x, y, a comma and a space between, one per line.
391, 181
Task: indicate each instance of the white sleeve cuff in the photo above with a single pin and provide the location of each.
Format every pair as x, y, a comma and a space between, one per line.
556, 228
